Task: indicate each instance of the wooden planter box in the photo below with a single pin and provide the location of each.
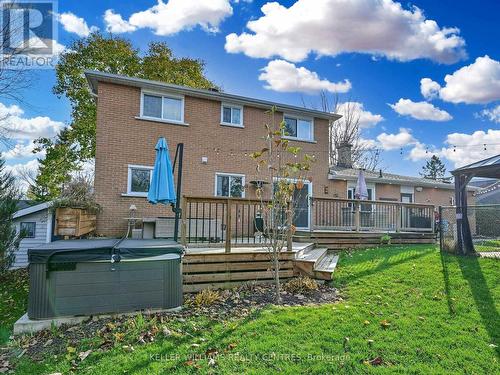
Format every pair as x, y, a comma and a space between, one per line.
74, 222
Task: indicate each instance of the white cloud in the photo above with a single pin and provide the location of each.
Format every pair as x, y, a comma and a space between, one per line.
116, 24
74, 24
492, 114
367, 119
462, 148
173, 16
20, 150
331, 27
283, 76
476, 83
429, 88
19, 127
394, 141
420, 110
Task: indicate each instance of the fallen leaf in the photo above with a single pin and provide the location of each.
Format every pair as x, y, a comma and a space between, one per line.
83, 355
366, 322
385, 324
71, 349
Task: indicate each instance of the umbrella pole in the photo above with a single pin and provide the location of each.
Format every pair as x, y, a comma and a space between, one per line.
179, 154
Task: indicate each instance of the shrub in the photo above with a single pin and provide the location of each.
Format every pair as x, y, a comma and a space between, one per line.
385, 239
206, 297
301, 284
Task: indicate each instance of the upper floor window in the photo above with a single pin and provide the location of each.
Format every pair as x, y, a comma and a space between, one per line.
28, 229
139, 179
229, 185
231, 115
299, 127
163, 107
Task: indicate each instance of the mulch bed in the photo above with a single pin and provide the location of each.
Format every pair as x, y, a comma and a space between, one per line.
232, 304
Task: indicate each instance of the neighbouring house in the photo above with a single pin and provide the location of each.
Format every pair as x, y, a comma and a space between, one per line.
390, 187
219, 131
36, 222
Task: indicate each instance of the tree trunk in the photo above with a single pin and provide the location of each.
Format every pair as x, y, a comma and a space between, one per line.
277, 277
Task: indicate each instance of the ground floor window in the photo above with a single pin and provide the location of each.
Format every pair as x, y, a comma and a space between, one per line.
139, 179
229, 185
28, 229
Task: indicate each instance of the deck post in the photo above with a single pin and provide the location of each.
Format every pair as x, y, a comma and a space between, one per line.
228, 226
183, 221
357, 221
399, 208
289, 228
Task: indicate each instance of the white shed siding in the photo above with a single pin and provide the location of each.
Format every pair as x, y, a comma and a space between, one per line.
41, 219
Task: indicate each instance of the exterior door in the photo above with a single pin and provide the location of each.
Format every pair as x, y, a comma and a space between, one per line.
301, 204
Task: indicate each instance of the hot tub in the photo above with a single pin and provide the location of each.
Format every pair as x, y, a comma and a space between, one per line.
86, 277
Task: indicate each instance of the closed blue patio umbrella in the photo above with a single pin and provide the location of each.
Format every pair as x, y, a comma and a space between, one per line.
162, 188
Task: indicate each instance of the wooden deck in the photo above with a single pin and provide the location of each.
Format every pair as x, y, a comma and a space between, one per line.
338, 240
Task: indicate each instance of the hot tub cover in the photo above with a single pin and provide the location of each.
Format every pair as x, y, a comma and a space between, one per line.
89, 250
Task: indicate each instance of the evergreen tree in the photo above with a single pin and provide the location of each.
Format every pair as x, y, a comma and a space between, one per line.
9, 240
433, 168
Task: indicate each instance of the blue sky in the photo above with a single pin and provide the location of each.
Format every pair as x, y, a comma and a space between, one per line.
374, 53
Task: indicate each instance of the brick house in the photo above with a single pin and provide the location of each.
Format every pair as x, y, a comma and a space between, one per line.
219, 130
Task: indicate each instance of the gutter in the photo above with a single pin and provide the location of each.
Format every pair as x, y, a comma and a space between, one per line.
93, 77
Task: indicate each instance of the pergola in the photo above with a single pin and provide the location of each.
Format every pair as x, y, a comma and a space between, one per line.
485, 168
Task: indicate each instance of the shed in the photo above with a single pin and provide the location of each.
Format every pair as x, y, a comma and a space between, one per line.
37, 222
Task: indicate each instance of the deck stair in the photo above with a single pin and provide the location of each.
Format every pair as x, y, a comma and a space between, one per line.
317, 262
336, 240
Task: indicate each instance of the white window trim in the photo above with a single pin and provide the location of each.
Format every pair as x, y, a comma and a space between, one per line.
28, 222
368, 186
298, 117
222, 122
229, 174
162, 95
129, 192
309, 196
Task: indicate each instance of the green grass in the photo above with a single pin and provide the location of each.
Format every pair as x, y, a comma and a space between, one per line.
13, 300
487, 246
417, 310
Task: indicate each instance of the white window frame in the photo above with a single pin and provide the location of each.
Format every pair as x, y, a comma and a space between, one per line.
34, 228
129, 180
233, 175
222, 122
352, 187
162, 95
298, 117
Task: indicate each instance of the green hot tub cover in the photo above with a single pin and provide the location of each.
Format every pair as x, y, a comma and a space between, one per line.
91, 250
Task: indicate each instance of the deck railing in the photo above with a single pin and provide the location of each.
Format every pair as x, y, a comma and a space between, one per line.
357, 215
215, 220
212, 221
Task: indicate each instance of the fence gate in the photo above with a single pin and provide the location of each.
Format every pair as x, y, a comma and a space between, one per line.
484, 222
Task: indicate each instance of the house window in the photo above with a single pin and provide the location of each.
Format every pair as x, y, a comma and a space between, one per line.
300, 128
229, 185
162, 107
28, 229
231, 115
407, 197
139, 179
351, 193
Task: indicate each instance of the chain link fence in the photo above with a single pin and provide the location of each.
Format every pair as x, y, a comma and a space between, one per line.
484, 221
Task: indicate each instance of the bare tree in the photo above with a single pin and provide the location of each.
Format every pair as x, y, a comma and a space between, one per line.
347, 130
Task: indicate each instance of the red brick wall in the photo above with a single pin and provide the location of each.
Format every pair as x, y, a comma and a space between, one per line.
122, 140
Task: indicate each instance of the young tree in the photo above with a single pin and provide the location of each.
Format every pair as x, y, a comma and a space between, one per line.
9, 240
283, 167
75, 145
433, 168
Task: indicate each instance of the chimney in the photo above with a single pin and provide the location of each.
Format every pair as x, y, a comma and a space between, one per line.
344, 157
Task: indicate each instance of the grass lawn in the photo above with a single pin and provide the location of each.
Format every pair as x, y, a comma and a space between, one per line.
405, 310
487, 245
13, 297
